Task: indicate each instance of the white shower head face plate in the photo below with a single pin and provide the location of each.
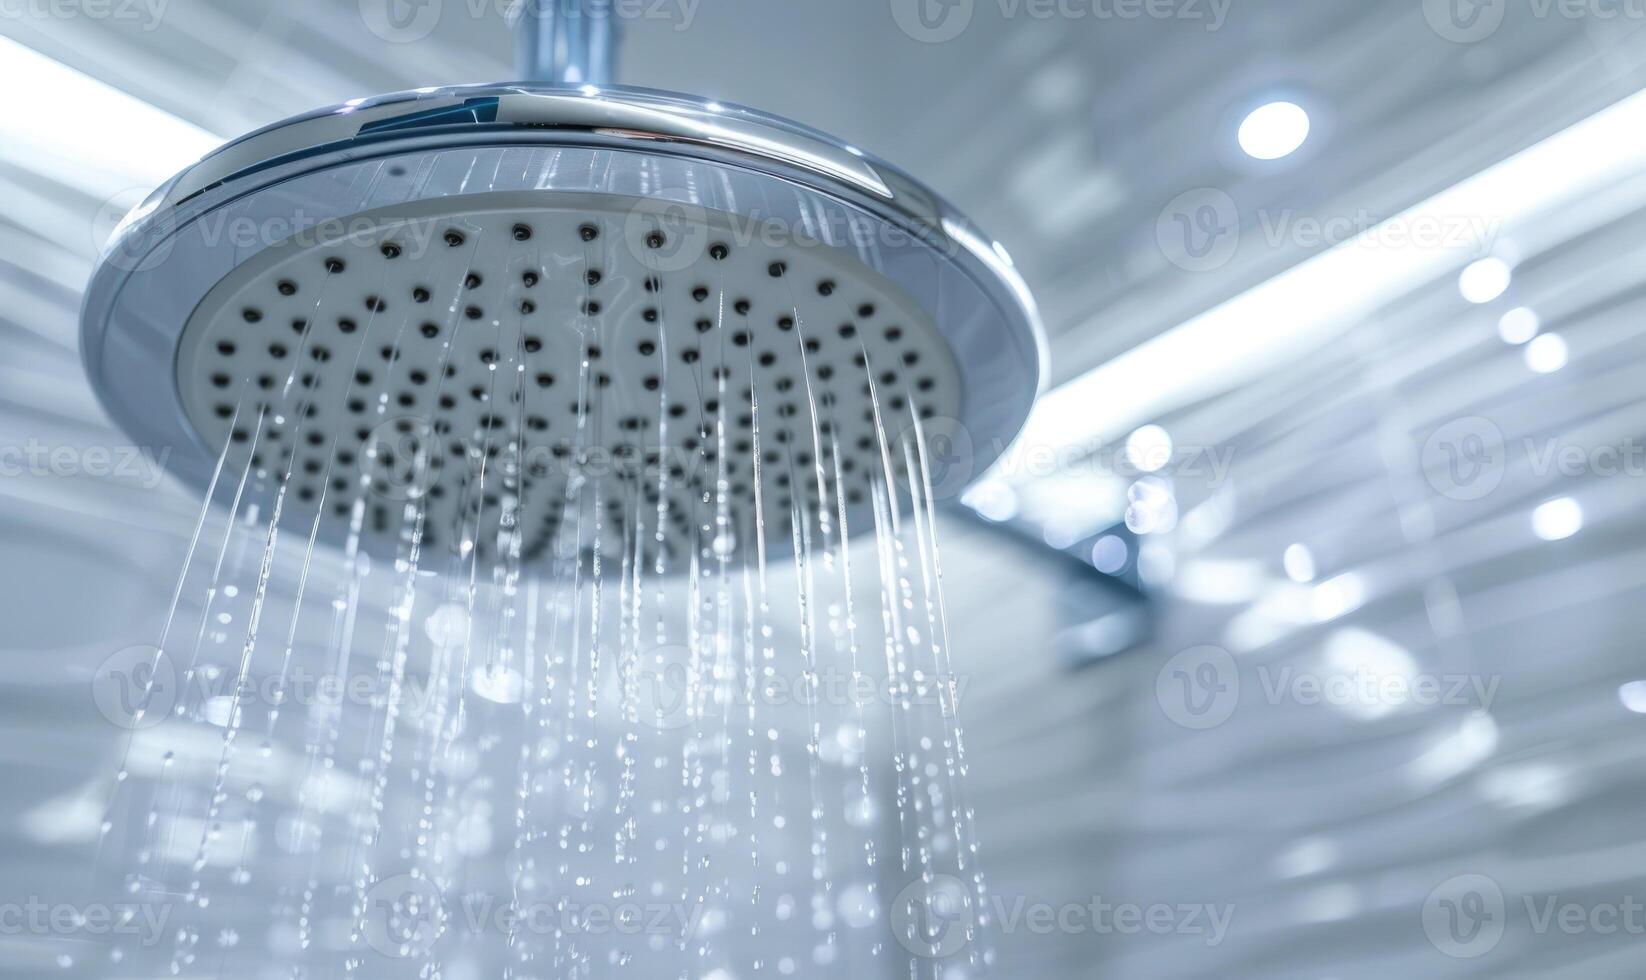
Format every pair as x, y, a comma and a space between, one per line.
453, 309
476, 365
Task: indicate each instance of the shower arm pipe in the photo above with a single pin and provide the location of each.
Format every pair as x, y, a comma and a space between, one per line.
566, 42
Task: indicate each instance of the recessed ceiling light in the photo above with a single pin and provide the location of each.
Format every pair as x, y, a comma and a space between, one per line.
1484, 280
1335, 597
1557, 519
1282, 318
1275, 130
1547, 353
1110, 554
1149, 448
1299, 563
1519, 325
1633, 696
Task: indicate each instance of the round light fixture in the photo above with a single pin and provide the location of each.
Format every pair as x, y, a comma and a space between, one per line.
1519, 325
1557, 519
1546, 353
1485, 279
1274, 130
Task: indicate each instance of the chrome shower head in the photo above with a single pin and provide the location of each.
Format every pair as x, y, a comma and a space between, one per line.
473, 299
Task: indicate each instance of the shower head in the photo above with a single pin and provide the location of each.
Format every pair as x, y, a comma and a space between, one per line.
458, 305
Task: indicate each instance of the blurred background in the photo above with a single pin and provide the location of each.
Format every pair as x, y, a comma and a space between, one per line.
1303, 622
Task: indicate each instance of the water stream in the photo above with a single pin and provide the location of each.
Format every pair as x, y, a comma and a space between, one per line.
609, 755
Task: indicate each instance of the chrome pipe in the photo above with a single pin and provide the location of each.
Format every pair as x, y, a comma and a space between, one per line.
566, 42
